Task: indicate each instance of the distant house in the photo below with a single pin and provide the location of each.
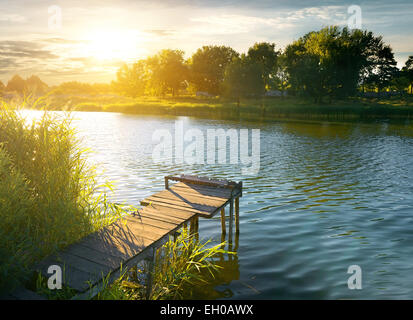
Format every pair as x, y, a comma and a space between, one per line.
275, 93
203, 94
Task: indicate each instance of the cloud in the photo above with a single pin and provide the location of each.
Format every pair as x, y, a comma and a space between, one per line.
160, 33
233, 24
27, 49
12, 18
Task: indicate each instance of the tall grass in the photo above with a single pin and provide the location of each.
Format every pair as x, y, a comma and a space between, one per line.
180, 265
49, 195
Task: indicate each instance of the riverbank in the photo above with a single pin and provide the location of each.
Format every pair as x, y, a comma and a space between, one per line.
274, 108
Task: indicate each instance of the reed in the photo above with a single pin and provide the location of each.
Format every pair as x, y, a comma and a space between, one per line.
179, 265
49, 194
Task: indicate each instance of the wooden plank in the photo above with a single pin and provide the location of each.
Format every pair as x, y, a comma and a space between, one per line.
117, 241
150, 231
96, 256
170, 212
145, 221
203, 190
64, 258
182, 204
203, 181
190, 198
116, 273
183, 190
155, 204
151, 225
146, 212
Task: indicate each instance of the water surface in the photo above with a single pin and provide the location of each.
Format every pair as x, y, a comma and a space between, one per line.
327, 196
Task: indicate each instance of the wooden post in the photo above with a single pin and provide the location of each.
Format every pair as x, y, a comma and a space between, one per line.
237, 215
223, 222
192, 226
150, 276
231, 217
196, 228
166, 183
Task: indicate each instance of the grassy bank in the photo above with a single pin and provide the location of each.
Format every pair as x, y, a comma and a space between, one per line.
49, 196
274, 108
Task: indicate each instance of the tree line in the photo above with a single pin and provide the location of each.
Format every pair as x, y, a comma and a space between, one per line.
332, 63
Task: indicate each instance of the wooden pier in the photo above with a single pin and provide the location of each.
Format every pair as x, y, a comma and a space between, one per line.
123, 244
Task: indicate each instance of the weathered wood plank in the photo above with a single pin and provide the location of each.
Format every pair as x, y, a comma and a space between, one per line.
95, 256
155, 204
151, 231
65, 259
117, 241
182, 204
204, 194
151, 221
203, 190
190, 198
202, 181
156, 215
170, 212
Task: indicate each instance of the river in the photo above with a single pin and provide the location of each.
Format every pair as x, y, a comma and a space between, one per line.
326, 196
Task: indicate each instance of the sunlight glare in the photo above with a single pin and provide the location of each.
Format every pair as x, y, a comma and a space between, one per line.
113, 45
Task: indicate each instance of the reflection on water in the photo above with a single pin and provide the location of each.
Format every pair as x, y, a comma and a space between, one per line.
328, 195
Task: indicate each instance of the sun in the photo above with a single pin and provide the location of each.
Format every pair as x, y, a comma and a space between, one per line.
114, 45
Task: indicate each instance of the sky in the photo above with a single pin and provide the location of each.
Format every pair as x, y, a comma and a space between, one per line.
87, 40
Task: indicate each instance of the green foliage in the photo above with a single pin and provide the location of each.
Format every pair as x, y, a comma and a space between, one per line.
243, 78
131, 80
167, 71
333, 62
79, 88
265, 55
208, 65
408, 72
49, 197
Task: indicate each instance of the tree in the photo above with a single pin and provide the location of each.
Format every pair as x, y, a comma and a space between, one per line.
243, 78
400, 82
207, 66
131, 80
35, 85
280, 80
264, 54
383, 67
333, 62
17, 84
167, 71
408, 72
